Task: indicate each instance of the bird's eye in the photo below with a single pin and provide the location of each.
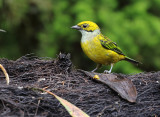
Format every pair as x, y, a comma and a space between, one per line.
85, 25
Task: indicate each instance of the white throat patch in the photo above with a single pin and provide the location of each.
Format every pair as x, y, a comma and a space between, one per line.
89, 35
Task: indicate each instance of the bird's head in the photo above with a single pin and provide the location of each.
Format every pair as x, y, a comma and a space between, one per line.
86, 26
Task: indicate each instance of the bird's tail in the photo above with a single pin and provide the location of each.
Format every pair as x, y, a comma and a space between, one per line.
132, 60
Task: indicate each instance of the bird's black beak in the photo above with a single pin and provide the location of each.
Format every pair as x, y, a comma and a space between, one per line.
76, 27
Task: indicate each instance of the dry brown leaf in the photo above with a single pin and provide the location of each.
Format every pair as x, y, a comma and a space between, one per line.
121, 85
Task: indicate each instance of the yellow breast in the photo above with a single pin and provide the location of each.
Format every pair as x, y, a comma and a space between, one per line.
94, 50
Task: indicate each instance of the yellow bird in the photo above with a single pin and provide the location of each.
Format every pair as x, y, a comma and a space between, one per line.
98, 47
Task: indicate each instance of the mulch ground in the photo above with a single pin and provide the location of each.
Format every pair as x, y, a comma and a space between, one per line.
21, 99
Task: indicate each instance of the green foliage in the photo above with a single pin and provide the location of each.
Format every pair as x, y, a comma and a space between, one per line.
43, 27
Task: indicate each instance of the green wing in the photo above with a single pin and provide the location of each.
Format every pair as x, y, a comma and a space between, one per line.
108, 44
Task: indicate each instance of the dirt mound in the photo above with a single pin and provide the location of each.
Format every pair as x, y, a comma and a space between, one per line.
27, 73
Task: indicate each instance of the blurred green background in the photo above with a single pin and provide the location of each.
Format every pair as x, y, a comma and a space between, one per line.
43, 27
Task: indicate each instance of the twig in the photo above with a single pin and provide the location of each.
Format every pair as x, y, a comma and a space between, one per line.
5, 73
100, 114
3, 104
144, 92
37, 107
2, 30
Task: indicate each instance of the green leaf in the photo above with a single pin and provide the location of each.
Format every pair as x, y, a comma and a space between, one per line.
72, 109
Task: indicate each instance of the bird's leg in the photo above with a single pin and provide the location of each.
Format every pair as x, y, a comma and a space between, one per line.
108, 72
97, 67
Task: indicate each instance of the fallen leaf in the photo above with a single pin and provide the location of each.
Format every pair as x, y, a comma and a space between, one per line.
72, 109
123, 86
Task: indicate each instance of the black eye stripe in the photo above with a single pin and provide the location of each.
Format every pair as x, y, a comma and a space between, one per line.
90, 31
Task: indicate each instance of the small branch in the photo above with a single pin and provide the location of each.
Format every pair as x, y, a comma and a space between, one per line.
5, 73
37, 108
100, 114
2, 30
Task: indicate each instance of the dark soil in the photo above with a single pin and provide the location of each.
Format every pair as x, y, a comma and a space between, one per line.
19, 99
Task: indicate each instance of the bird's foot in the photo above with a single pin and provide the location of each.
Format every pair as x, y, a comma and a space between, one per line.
107, 72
